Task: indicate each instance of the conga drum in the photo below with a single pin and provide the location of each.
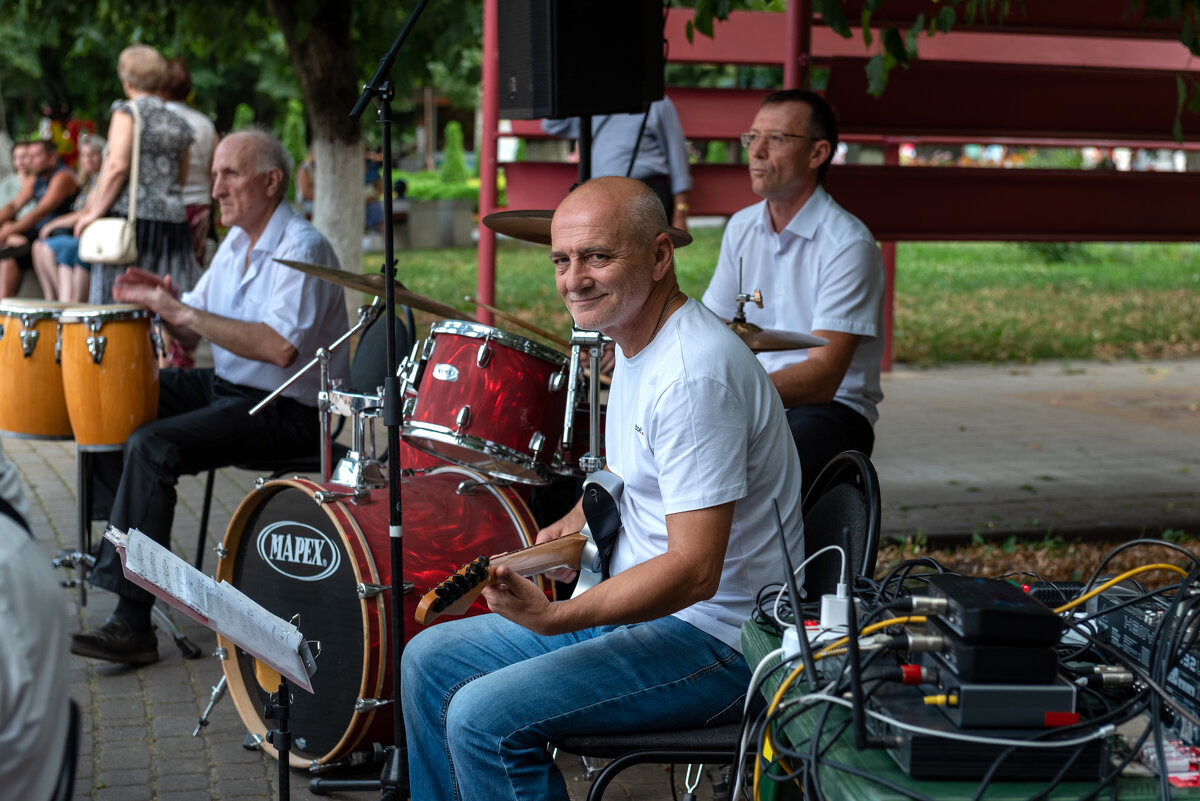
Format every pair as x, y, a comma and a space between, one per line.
110, 372
32, 402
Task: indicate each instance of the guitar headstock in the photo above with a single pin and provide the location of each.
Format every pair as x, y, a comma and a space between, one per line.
455, 594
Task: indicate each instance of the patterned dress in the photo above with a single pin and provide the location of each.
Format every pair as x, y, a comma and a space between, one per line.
164, 245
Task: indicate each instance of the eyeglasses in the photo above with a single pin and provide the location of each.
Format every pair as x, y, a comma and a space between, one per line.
774, 139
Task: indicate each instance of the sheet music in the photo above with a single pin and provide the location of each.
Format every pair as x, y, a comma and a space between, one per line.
222, 607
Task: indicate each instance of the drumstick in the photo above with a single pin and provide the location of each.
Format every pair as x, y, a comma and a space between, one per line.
557, 340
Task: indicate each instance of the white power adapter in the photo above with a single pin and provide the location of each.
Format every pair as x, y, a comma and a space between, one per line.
790, 643
835, 612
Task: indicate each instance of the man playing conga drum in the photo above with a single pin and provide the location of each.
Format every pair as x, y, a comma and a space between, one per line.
260, 317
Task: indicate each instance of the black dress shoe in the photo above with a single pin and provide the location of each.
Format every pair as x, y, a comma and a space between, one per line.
115, 641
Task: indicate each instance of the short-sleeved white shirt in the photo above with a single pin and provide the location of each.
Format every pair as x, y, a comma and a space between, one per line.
823, 272
306, 311
693, 421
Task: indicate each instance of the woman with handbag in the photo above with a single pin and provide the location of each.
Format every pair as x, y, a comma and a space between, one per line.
142, 178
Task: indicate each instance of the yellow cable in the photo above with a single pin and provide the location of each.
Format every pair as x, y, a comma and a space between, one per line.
1118, 580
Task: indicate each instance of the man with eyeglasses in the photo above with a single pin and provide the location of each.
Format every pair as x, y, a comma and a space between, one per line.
820, 272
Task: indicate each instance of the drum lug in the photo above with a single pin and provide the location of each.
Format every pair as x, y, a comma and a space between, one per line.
484, 354
536, 442
410, 406
95, 346
1, 332
557, 380
221, 550
221, 654
369, 704
57, 343
371, 590
323, 497
462, 419
29, 339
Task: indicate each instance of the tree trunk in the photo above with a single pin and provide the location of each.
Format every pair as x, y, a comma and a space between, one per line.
322, 56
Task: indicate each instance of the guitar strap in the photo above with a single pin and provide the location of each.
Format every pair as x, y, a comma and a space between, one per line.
601, 507
6, 508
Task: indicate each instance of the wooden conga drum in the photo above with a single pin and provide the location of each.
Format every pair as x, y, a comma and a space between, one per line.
110, 372
32, 402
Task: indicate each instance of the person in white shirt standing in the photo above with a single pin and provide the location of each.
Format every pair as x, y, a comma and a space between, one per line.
261, 317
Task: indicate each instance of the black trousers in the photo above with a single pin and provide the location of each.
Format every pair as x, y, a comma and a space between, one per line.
203, 423
822, 431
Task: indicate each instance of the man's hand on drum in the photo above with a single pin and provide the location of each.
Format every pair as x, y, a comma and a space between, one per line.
156, 293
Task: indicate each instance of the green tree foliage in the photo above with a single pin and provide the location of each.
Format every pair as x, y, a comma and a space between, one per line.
454, 163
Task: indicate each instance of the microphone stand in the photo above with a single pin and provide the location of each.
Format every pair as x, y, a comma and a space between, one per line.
393, 782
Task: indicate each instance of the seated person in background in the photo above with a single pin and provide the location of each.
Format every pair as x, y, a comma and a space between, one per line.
260, 317
697, 434
820, 272
11, 183
55, 254
52, 188
306, 185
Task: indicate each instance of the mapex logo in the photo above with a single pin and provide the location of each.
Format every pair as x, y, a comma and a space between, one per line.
298, 551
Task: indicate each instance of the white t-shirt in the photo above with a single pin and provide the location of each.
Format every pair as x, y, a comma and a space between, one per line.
198, 189
693, 421
823, 272
306, 311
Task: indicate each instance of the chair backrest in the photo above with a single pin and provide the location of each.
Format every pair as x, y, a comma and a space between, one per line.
842, 508
368, 369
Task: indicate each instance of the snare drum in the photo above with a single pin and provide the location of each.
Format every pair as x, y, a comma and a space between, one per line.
32, 403
328, 562
110, 372
489, 400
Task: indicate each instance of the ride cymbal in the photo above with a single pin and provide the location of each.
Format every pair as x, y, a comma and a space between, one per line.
764, 339
533, 225
375, 284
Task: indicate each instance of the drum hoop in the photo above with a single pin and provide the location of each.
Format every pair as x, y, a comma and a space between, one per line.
514, 341
419, 431
33, 307
79, 315
373, 674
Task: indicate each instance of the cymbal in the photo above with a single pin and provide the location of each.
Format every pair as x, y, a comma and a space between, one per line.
763, 339
375, 284
533, 225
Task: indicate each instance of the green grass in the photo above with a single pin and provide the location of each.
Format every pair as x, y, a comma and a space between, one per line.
955, 302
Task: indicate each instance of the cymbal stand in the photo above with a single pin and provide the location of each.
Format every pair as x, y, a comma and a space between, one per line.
594, 342
366, 316
738, 324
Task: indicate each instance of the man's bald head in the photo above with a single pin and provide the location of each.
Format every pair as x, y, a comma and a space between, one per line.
627, 203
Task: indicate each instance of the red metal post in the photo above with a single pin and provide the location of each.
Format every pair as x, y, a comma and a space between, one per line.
891, 157
485, 271
799, 44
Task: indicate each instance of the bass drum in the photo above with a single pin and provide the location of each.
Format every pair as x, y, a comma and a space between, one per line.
295, 551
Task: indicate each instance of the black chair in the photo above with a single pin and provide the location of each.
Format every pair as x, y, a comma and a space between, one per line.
65, 787
368, 369
842, 507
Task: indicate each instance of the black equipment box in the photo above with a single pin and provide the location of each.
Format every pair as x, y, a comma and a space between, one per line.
985, 662
991, 611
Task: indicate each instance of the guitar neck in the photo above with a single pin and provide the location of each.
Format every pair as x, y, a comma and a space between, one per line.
455, 595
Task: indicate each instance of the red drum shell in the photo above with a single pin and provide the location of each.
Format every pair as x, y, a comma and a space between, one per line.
295, 556
514, 391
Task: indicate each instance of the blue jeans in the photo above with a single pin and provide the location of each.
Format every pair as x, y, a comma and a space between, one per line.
482, 696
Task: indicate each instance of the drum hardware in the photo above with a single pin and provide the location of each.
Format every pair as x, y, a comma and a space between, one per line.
28, 335
57, 343
484, 354
323, 497
96, 342
217, 693
528, 326
369, 704
358, 468
469, 486
760, 339
462, 419
366, 590
594, 341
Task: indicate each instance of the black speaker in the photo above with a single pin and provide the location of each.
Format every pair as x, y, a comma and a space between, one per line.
566, 58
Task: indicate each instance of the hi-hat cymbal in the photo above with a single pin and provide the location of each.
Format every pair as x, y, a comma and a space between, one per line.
533, 225
763, 339
375, 284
